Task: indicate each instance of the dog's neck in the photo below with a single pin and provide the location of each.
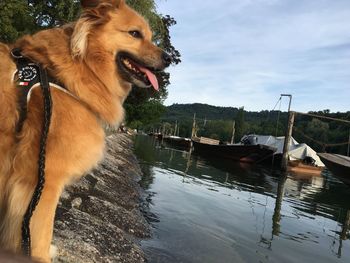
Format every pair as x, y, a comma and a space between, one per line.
90, 79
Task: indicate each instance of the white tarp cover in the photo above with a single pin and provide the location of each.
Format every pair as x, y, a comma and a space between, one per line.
297, 151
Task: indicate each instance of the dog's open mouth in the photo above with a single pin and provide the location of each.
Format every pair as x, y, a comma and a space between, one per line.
136, 72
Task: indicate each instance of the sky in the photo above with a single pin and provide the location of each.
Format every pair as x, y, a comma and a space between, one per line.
248, 52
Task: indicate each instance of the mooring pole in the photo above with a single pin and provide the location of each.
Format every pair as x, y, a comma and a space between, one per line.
193, 133
290, 100
233, 132
287, 140
276, 218
175, 128
288, 135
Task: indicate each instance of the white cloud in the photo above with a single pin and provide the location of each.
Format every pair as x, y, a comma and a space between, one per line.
247, 52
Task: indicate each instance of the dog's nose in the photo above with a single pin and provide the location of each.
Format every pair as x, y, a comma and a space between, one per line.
166, 59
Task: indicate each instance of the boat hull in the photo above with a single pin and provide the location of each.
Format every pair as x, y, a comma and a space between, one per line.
300, 168
339, 165
241, 153
178, 142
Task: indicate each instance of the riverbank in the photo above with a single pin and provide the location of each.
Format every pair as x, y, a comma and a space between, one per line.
99, 218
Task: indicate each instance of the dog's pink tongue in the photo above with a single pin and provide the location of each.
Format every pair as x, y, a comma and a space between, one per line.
151, 77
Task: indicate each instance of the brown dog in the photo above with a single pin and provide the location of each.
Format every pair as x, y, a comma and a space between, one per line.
97, 58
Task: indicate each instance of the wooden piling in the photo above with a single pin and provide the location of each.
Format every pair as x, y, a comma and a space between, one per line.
193, 132
233, 132
287, 140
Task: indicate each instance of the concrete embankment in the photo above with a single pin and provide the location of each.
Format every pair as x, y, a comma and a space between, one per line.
99, 218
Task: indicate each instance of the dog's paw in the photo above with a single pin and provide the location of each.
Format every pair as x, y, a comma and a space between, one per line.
53, 252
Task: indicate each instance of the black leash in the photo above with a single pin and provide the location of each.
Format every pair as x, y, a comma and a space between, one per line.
45, 87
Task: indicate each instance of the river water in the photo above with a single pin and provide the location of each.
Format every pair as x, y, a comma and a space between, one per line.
217, 211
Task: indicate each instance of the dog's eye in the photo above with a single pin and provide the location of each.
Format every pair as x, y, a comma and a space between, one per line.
135, 34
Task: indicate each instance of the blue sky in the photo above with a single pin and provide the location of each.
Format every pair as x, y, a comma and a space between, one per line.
248, 52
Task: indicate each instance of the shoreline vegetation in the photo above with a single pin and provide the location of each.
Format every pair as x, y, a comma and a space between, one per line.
216, 122
100, 217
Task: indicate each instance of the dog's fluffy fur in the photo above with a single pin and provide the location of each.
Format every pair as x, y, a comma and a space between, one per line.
82, 56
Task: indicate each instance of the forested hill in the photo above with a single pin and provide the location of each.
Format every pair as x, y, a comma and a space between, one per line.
216, 122
209, 112
202, 110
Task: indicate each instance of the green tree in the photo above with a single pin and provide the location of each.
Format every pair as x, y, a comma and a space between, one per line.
10, 28
240, 124
222, 129
144, 114
50, 13
318, 131
18, 17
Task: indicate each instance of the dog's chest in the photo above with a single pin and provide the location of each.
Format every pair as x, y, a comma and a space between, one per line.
76, 139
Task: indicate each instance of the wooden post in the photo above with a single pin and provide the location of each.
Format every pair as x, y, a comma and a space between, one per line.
233, 132
276, 218
193, 133
175, 129
287, 139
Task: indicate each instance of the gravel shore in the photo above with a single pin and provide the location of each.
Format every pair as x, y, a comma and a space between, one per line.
99, 218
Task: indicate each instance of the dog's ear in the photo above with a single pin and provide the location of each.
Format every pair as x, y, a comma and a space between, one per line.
94, 13
79, 38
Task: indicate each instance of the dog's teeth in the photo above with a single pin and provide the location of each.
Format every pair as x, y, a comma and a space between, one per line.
127, 63
133, 68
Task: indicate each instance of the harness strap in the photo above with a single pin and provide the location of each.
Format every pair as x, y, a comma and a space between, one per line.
28, 78
28, 74
31, 72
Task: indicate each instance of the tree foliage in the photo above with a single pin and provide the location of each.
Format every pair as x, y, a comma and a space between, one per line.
18, 17
144, 114
11, 28
240, 123
216, 122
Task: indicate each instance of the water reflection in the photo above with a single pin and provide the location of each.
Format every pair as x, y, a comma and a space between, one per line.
220, 211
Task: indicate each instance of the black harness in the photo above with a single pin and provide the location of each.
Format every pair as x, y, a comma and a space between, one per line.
29, 74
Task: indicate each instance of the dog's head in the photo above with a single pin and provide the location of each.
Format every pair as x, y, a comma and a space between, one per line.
110, 31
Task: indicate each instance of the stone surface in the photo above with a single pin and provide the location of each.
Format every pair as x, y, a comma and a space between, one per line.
99, 218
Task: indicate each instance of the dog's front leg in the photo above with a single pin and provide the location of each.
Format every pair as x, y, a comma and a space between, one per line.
17, 199
7, 143
41, 226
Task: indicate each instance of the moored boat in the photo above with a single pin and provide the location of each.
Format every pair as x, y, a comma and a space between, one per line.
156, 134
301, 157
301, 167
237, 152
338, 164
178, 141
